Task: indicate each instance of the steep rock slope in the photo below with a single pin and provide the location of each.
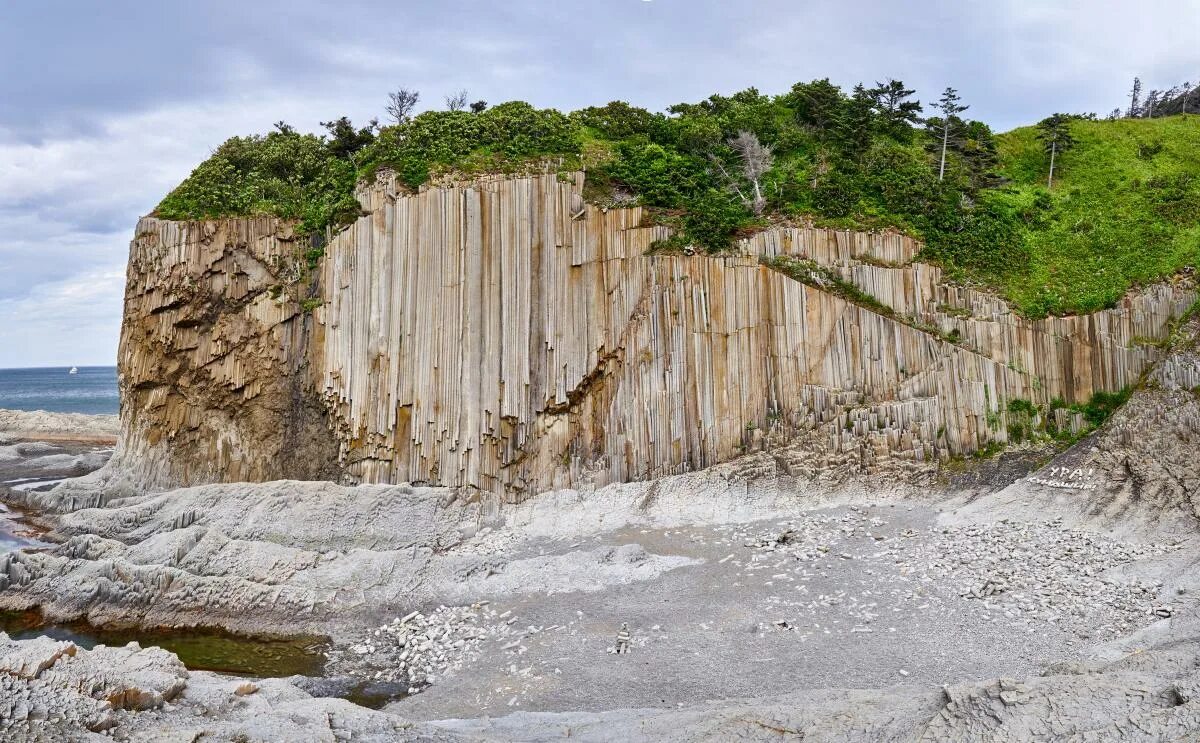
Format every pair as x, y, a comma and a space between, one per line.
506, 336
214, 359
1141, 466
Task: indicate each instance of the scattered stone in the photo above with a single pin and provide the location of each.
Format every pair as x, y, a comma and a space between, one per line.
417, 647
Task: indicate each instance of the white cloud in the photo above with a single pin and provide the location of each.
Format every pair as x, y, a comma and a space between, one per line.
76, 174
64, 322
67, 212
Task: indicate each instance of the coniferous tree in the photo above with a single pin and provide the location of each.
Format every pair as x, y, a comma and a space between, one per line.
857, 120
951, 107
1135, 107
818, 105
345, 139
977, 149
1055, 133
1151, 101
897, 114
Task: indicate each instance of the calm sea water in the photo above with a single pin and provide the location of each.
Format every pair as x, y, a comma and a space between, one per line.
93, 390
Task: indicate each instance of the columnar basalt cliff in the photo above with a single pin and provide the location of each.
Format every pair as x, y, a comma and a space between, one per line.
504, 335
214, 359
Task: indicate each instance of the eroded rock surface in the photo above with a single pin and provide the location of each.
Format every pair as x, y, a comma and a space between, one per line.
1139, 473
55, 691
280, 555
138, 694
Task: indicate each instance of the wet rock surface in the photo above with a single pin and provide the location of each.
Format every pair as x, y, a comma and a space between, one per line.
27, 467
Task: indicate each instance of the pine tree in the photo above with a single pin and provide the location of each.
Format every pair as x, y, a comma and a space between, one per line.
950, 107
1151, 102
818, 105
897, 114
1055, 133
854, 126
1135, 95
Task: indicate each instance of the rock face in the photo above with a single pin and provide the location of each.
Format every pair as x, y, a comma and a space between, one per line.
279, 557
505, 336
213, 359
1142, 464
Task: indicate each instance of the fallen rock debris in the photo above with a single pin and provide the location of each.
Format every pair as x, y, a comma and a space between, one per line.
416, 648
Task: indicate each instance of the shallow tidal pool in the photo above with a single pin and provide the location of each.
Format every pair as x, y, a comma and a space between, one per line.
200, 650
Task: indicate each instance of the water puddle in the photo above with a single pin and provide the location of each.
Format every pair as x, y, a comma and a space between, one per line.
200, 650
38, 483
15, 533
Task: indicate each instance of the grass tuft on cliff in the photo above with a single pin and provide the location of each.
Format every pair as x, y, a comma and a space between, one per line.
1122, 210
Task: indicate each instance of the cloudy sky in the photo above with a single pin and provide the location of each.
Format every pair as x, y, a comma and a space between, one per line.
105, 106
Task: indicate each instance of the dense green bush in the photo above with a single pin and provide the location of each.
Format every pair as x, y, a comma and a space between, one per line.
513, 131
618, 120
283, 174
1122, 210
711, 219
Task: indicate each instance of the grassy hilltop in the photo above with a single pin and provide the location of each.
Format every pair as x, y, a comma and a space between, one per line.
1123, 209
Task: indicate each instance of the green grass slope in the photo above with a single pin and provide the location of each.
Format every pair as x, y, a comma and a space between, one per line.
1124, 210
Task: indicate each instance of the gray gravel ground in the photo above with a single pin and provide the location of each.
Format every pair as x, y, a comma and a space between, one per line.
848, 597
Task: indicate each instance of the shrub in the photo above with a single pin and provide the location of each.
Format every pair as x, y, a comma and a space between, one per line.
283, 174
712, 218
1122, 212
619, 120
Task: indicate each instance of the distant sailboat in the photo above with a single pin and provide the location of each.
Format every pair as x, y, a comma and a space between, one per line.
74, 370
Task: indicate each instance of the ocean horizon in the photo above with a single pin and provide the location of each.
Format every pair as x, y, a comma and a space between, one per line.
53, 388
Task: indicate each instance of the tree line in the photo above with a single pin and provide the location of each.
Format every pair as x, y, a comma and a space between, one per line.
1183, 98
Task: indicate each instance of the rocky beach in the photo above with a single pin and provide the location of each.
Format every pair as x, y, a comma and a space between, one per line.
762, 610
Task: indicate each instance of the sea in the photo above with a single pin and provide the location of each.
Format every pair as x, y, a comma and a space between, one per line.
93, 390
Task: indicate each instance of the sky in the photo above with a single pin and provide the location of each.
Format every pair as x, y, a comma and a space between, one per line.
104, 107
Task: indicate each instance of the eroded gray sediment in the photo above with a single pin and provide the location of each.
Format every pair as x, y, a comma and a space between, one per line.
752, 608
27, 466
